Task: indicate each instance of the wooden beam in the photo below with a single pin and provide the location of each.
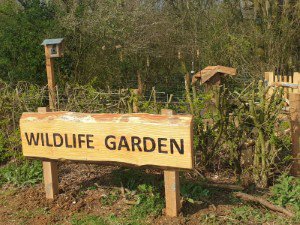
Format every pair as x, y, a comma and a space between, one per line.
172, 186
50, 172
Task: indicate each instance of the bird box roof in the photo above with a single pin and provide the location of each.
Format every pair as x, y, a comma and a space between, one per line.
208, 72
52, 41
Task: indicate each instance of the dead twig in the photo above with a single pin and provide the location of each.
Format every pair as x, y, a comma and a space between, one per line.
225, 186
264, 202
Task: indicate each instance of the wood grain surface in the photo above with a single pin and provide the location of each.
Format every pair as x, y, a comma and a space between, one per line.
138, 139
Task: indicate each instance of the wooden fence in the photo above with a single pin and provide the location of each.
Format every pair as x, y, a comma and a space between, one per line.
291, 86
290, 83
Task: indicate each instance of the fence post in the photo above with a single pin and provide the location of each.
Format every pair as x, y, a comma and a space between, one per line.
269, 77
172, 185
285, 89
49, 171
295, 132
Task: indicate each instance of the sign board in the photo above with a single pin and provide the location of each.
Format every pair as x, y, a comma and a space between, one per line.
139, 139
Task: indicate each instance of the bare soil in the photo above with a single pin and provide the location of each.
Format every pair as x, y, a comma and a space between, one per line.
28, 205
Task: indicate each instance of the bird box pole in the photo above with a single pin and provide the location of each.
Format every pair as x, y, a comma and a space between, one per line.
50, 78
50, 170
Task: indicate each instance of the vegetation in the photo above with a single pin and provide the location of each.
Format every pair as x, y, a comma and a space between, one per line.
89, 220
226, 120
115, 46
21, 174
286, 193
150, 38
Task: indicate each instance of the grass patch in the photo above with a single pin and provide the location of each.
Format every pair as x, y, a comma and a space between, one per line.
89, 220
26, 214
145, 190
21, 174
246, 214
111, 198
150, 203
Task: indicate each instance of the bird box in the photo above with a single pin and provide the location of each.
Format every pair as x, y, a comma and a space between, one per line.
211, 75
53, 47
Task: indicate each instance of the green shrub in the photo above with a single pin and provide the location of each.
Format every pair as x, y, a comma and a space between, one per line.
22, 174
286, 192
193, 192
4, 155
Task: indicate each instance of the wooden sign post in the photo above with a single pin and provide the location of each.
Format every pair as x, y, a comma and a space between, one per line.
53, 49
172, 185
50, 173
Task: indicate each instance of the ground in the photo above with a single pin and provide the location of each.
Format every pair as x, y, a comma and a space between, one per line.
102, 194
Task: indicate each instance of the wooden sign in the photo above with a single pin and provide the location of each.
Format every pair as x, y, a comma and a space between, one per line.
139, 139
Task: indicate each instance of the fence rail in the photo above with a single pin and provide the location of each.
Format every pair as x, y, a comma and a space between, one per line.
290, 83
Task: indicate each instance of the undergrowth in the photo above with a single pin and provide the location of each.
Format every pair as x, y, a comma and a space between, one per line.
88, 220
22, 173
150, 203
192, 192
252, 215
286, 193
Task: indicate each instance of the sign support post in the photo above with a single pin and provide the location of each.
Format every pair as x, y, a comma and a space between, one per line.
50, 173
172, 185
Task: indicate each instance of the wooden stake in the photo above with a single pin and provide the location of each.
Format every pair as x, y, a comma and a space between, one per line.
172, 185
50, 78
140, 83
50, 171
296, 80
269, 76
135, 106
294, 99
285, 89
